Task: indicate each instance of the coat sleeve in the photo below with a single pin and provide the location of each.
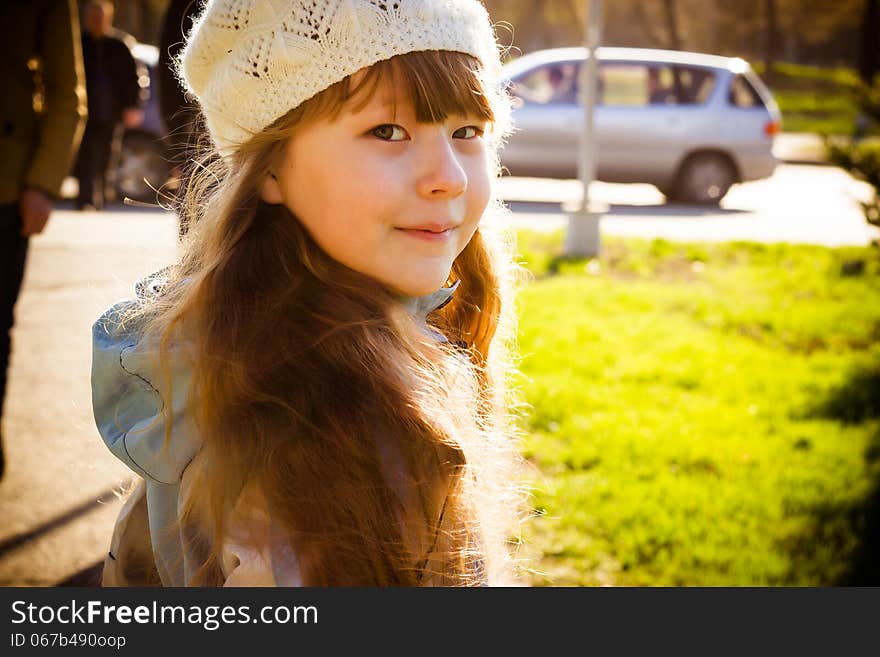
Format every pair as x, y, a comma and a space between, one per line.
64, 80
128, 89
130, 561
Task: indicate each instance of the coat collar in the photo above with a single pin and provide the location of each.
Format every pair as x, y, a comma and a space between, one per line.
421, 307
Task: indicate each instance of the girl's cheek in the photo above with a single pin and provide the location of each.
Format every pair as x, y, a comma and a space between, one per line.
370, 166
481, 184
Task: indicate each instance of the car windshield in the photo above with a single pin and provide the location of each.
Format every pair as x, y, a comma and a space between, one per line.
552, 83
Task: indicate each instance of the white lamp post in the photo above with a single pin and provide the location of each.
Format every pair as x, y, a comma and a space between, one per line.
582, 238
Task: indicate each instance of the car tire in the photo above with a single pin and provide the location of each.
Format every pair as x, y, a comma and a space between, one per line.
142, 167
703, 179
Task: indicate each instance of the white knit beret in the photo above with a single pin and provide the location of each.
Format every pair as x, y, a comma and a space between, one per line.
248, 62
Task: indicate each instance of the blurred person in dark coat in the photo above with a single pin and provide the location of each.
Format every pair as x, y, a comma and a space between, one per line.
42, 110
114, 97
179, 112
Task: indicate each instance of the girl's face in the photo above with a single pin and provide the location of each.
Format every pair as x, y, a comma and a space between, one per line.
384, 195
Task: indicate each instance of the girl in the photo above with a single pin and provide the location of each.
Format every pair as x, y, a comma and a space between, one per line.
314, 395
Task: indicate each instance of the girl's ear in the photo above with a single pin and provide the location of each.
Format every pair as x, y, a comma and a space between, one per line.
270, 190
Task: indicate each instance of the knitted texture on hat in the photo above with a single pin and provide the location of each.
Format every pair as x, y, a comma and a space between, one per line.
248, 62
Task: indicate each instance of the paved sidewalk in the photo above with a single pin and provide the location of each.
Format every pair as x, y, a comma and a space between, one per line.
800, 147
800, 203
58, 497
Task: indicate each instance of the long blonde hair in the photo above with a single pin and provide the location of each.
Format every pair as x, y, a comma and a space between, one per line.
306, 372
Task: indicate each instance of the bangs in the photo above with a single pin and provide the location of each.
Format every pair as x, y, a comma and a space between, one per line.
439, 83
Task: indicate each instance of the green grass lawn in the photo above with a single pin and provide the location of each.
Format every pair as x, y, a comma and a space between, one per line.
701, 414
813, 98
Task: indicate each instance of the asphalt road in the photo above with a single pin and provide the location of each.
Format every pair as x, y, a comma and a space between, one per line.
57, 501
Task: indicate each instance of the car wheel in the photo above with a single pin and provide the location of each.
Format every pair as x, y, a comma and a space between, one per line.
142, 167
704, 178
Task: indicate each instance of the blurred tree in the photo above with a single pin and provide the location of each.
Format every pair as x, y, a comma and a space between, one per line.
770, 38
536, 24
869, 44
649, 21
671, 24
826, 30
805, 31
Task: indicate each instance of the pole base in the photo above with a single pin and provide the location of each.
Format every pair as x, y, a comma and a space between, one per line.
582, 239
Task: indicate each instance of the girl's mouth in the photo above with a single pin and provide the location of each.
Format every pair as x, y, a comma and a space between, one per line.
428, 235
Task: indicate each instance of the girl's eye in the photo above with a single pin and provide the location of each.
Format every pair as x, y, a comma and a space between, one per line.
468, 132
389, 132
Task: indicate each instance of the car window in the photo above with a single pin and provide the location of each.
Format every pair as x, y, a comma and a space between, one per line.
693, 85
551, 83
743, 94
636, 84
623, 84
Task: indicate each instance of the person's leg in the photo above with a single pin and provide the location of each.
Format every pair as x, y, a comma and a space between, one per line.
13, 253
113, 162
103, 146
85, 167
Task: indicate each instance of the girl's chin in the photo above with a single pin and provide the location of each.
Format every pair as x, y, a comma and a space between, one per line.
415, 291
419, 288
424, 277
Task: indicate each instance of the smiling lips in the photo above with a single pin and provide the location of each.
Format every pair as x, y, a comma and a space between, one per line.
430, 232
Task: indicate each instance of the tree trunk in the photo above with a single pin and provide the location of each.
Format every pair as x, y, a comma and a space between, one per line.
647, 22
770, 33
538, 26
869, 43
672, 24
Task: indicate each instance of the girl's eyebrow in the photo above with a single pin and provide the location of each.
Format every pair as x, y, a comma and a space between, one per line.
386, 111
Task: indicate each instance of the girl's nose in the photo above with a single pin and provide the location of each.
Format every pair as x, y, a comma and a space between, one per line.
443, 175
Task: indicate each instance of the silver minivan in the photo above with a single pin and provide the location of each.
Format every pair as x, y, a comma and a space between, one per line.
689, 123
